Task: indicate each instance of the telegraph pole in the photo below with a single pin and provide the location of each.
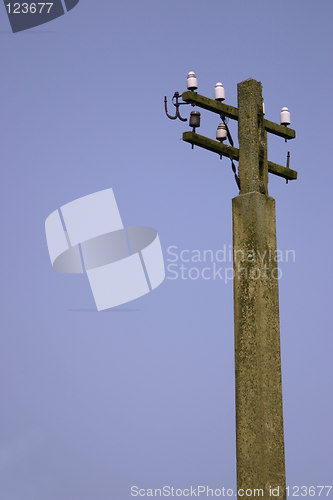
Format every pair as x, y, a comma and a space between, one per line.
259, 419
259, 414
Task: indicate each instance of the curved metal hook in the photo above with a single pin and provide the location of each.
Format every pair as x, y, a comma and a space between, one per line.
166, 110
176, 104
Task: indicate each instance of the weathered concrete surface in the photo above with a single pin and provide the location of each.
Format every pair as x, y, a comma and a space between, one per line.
253, 169
259, 418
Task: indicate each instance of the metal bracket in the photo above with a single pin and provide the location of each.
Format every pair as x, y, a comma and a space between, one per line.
175, 97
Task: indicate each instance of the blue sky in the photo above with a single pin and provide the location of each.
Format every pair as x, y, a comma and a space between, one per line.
92, 403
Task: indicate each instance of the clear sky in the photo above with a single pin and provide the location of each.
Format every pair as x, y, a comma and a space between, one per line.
92, 403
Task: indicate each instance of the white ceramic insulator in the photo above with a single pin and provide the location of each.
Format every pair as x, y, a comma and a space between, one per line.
221, 132
192, 82
219, 92
285, 116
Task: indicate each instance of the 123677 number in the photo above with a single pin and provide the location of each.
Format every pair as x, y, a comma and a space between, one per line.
32, 8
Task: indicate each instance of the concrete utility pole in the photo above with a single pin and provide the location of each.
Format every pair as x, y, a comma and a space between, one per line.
259, 416
259, 420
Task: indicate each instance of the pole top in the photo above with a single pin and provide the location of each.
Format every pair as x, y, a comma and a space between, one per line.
248, 80
253, 166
